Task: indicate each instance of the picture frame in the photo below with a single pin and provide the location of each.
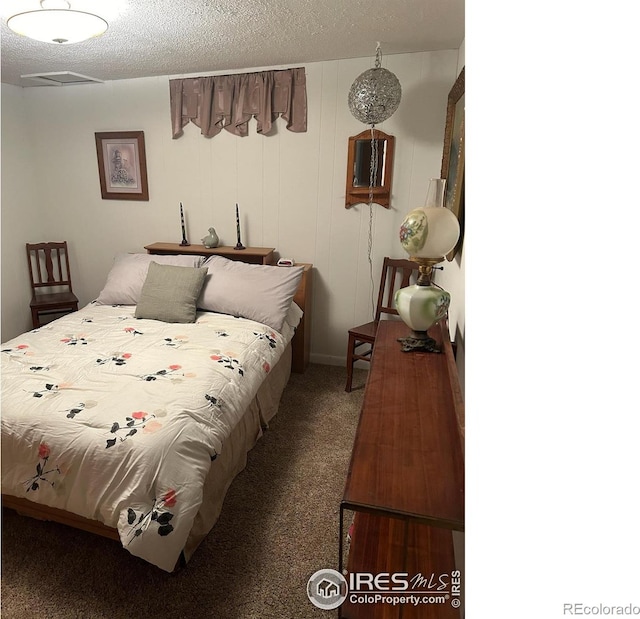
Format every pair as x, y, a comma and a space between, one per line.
453, 156
122, 165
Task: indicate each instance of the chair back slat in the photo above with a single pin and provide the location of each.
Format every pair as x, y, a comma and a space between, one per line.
396, 273
49, 265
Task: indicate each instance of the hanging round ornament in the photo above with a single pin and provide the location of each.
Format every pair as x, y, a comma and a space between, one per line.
375, 94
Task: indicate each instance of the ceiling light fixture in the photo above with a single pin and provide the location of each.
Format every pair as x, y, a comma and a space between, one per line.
57, 23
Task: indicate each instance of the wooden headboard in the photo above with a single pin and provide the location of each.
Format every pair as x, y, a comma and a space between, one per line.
300, 344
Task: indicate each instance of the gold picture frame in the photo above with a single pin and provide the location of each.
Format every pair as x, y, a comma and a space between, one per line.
122, 165
453, 157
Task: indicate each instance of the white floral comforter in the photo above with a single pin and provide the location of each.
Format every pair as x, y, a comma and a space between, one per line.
119, 420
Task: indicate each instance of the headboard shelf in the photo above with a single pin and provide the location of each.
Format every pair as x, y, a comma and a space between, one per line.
252, 255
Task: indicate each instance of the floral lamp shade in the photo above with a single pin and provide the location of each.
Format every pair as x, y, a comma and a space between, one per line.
428, 233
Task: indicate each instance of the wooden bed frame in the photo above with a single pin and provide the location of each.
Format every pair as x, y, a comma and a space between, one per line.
299, 362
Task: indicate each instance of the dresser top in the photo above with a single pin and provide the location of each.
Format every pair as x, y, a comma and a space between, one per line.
407, 456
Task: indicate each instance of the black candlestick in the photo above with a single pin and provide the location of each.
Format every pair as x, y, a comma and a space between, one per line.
239, 244
184, 232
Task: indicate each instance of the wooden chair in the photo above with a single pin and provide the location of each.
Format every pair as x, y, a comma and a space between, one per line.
396, 274
50, 280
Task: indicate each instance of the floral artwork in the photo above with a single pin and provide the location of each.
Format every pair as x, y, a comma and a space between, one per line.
122, 165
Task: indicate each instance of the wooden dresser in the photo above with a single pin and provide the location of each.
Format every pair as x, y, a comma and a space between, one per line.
301, 343
406, 477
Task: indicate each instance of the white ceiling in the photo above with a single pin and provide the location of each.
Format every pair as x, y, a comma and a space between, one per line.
163, 37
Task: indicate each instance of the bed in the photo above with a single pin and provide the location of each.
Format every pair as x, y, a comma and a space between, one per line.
131, 417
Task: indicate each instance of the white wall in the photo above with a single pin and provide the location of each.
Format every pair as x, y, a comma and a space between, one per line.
22, 211
290, 187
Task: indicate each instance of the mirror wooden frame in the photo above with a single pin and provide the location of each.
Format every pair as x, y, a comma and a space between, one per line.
453, 157
381, 193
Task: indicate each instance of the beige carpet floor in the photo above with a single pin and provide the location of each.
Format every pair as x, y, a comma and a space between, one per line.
278, 526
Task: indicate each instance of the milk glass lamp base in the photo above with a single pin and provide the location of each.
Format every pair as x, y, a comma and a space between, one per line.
420, 307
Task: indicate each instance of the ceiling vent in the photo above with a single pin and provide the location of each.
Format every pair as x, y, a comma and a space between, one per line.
60, 78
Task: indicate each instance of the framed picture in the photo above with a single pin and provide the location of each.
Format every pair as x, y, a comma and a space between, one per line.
453, 156
122, 165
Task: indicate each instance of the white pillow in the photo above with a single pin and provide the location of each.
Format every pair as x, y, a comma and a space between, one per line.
255, 291
127, 275
294, 315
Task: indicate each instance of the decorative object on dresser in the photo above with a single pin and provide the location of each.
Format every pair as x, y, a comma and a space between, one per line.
184, 241
405, 480
122, 165
239, 244
427, 234
211, 240
395, 273
51, 288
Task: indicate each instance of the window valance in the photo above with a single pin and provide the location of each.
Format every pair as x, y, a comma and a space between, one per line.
229, 101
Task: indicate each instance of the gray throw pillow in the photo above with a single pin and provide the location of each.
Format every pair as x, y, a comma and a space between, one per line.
169, 293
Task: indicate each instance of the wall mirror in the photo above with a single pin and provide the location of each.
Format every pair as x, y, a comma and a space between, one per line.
359, 166
453, 156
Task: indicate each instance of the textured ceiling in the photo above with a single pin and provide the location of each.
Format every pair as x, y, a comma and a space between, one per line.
158, 37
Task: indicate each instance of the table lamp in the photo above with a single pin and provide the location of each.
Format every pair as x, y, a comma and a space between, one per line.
427, 234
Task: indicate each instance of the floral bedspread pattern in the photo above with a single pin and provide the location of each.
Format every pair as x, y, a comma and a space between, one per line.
119, 420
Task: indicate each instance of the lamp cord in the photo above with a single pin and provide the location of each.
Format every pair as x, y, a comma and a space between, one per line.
373, 174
